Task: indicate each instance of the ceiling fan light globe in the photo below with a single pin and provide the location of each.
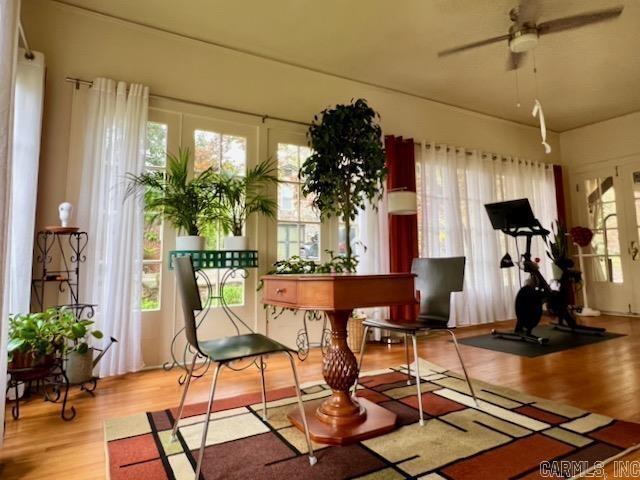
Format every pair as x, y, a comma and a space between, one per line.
523, 41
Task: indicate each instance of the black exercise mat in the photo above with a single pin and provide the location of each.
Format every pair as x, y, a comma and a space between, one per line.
558, 341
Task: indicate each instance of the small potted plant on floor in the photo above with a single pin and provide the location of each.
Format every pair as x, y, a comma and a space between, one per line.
34, 339
240, 196
187, 203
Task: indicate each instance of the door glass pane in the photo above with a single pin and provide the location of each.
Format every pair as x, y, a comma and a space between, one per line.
152, 245
151, 286
207, 150
603, 220
156, 154
234, 154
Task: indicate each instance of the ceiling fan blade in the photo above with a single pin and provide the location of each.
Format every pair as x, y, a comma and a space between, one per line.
515, 60
576, 21
468, 46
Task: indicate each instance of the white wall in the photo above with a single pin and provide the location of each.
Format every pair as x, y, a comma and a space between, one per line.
86, 45
601, 142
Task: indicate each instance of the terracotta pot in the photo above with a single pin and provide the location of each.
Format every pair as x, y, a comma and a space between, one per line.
30, 360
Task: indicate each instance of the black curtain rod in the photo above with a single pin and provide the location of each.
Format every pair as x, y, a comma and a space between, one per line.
263, 117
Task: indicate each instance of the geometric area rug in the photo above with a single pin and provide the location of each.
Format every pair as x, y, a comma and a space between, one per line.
512, 435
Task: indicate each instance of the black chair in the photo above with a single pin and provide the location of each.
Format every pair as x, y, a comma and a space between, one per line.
436, 279
222, 351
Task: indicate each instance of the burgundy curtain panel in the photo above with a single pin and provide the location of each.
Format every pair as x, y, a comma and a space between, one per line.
403, 229
560, 198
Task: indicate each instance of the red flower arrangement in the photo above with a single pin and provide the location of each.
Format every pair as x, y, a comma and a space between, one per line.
581, 236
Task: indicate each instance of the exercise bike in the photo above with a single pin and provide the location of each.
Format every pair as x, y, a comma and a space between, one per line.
515, 219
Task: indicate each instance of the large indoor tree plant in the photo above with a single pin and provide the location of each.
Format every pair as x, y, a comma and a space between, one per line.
240, 196
187, 203
346, 170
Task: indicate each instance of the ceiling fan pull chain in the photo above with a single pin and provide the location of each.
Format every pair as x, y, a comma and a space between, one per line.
517, 90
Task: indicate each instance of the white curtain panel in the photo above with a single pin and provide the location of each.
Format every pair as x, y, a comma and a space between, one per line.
373, 252
29, 95
114, 145
9, 15
454, 186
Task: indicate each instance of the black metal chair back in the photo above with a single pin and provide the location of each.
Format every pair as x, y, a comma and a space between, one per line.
436, 279
190, 296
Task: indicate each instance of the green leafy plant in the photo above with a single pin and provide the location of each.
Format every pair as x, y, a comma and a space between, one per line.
237, 197
347, 167
33, 334
299, 265
76, 333
42, 334
187, 203
558, 251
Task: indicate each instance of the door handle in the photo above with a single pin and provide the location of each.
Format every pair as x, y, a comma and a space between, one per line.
634, 251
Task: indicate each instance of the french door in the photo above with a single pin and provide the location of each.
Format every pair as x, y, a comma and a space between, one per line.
607, 200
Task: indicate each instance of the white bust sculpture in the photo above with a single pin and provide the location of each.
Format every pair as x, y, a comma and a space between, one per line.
65, 210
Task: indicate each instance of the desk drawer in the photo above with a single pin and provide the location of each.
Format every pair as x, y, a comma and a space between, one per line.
281, 291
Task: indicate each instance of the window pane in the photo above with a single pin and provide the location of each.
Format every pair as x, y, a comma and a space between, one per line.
152, 243
597, 242
213, 236
308, 213
212, 275
616, 269
288, 244
288, 201
613, 243
310, 244
151, 286
636, 184
156, 154
234, 293
234, 154
342, 236
288, 162
207, 150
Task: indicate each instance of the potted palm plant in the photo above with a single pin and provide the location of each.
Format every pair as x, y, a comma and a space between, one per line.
237, 197
188, 204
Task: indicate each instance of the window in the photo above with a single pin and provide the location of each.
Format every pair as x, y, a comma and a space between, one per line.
298, 222
155, 160
227, 153
603, 220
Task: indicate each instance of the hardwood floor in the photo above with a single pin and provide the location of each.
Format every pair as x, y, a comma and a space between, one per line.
603, 377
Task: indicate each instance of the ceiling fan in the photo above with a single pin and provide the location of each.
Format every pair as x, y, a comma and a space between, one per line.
524, 32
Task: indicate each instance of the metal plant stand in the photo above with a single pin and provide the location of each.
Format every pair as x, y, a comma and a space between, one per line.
236, 264
49, 381
302, 339
71, 246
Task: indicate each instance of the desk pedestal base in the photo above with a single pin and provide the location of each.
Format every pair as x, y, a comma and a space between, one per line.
377, 421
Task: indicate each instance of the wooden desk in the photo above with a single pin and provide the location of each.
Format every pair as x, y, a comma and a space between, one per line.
340, 419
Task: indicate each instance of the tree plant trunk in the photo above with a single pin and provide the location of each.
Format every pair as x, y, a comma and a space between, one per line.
347, 229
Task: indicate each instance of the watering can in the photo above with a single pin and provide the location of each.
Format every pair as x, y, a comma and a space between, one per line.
79, 368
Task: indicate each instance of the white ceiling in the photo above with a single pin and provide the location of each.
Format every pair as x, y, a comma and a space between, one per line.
584, 75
